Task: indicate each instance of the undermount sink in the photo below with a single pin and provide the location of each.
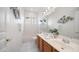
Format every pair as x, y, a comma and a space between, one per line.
46, 35
66, 41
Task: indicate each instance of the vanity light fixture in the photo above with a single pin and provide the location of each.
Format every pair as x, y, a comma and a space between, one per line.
65, 19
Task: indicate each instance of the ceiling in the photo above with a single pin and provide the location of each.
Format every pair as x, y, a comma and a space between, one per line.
37, 11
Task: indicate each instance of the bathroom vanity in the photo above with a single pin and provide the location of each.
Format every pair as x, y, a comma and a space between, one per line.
47, 43
44, 46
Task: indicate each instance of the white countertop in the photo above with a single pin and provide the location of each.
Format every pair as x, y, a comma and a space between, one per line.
58, 44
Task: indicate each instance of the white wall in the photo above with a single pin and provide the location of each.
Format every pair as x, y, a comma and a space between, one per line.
2, 19
13, 31
67, 29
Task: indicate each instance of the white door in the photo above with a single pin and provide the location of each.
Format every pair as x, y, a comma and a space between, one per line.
30, 28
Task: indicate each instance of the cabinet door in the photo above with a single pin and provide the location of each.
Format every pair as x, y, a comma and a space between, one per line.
54, 50
47, 47
44, 46
41, 44
38, 41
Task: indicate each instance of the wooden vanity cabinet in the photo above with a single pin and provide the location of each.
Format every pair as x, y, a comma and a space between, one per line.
44, 46
40, 43
37, 41
54, 50
47, 47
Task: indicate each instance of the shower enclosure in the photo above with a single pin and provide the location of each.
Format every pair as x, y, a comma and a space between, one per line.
2, 27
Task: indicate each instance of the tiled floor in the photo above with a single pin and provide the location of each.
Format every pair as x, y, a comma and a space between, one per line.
25, 46
29, 46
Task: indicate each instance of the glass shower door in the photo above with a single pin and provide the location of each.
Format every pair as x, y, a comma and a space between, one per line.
30, 28
2, 19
